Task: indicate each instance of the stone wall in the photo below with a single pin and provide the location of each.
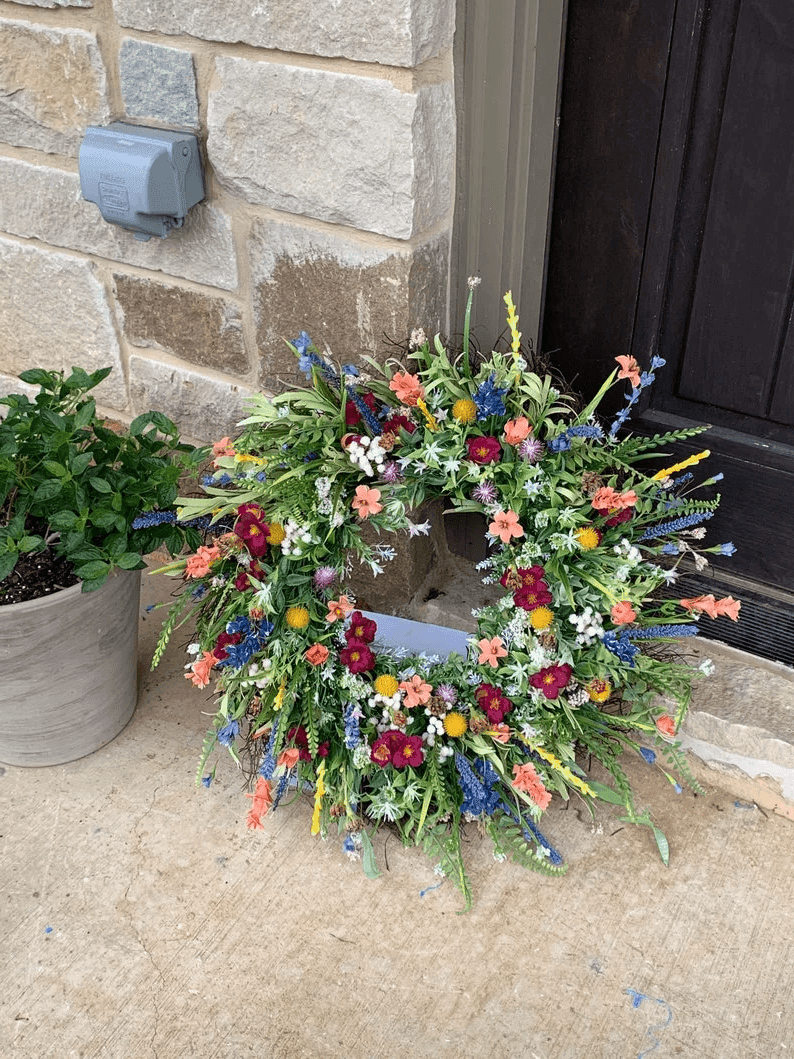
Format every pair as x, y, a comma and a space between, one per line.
328, 132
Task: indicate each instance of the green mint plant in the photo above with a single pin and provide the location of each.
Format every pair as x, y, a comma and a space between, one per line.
71, 484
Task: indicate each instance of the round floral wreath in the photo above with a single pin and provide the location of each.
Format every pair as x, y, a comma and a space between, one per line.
569, 663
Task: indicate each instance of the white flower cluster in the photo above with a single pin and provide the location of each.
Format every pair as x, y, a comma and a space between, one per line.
323, 487
626, 549
589, 626
367, 455
295, 536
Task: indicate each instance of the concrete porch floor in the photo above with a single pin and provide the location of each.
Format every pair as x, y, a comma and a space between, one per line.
141, 920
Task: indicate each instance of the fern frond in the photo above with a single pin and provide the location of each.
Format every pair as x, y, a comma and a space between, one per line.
178, 607
508, 839
208, 746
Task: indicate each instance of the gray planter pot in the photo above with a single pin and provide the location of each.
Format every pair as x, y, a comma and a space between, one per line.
68, 671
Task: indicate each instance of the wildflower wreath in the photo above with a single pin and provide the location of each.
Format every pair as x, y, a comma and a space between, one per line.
569, 663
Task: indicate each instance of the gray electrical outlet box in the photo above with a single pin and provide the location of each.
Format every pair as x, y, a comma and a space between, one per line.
144, 180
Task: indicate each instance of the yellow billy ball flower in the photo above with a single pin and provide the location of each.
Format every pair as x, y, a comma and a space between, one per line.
599, 690
275, 534
455, 724
541, 618
297, 617
464, 410
386, 685
588, 538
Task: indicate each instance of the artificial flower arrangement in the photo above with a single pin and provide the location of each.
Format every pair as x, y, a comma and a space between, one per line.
585, 529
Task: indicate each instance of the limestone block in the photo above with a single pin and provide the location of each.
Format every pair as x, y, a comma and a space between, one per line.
392, 32
204, 408
52, 84
347, 295
38, 202
54, 314
200, 328
350, 150
158, 82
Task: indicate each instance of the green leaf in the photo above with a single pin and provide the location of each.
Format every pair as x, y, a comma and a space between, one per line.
606, 794
47, 490
370, 867
662, 843
100, 485
92, 571
31, 544
55, 468
64, 520
7, 564
37, 376
130, 561
79, 463
85, 413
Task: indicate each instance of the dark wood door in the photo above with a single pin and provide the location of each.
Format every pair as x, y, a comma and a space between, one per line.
673, 233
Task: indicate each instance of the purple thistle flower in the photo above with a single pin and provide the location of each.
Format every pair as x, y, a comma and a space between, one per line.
531, 450
324, 577
447, 694
391, 472
484, 493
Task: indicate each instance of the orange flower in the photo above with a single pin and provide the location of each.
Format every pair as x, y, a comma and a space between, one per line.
629, 369
623, 613
199, 675
289, 757
729, 607
366, 500
607, 499
198, 565
666, 725
505, 525
262, 799
491, 651
222, 448
338, 609
516, 430
417, 692
526, 779
500, 733
408, 388
317, 654
713, 607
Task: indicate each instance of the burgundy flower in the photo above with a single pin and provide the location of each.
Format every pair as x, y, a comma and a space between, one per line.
532, 596
297, 735
552, 679
357, 657
523, 577
361, 628
622, 516
241, 582
251, 528
492, 702
408, 753
223, 640
484, 449
397, 423
396, 748
352, 414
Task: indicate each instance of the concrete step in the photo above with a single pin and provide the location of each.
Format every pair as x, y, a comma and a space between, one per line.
739, 732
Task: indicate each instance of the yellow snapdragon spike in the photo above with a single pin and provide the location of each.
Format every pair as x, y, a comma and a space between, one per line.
690, 462
431, 423
512, 322
244, 457
555, 763
318, 799
279, 700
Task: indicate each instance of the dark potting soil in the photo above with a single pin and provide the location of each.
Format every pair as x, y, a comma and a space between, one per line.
36, 574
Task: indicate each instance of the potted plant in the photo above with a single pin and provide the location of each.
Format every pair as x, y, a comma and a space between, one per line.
71, 488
